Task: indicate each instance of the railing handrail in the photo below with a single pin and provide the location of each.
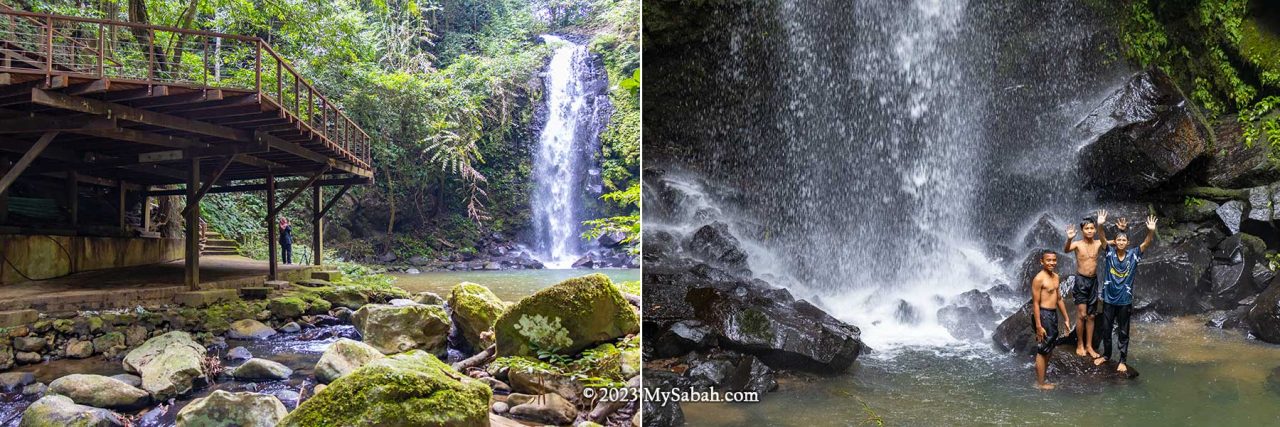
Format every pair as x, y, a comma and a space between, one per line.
345, 124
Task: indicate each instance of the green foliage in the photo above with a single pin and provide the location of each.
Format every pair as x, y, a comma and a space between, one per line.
1192, 202
628, 225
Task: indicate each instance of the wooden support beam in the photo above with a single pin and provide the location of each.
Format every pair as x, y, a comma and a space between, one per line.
271, 226
317, 225
180, 99
334, 200
96, 86
260, 187
121, 194
256, 162
48, 124
135, 94
210, 180
192, 265
157, 170
26, 160
148, 138
122, 112
310, 181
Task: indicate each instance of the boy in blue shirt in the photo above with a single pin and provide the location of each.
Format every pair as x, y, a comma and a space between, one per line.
1120, 265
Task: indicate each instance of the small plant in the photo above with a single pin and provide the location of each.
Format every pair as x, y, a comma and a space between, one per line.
1193, 202
212, 368
545, 335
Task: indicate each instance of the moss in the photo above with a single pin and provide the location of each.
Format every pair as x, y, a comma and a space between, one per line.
1216, 194
413, 388
475, 310
287, 307
1261, 50
590, 308
633, 287
65, 326
95, 324
755, 324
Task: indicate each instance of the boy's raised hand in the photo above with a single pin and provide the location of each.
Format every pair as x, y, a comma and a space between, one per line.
1122, 223
1151, 222
1071, 232
1102, 217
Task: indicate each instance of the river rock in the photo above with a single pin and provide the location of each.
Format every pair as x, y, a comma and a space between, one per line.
1150, 133
1264, 316
34, 344
27, 357
548, 408
730, 371
222, 408
751, 317
169, 364
566, 318
1234, 164
475, 310
906, 314
261, 369
526, 382
130, 379
1173, 280
249, 329
408, 389
342, 357
1065, 364
37, 389
1016, 334
14, 381
428, 298
500, 407
664, 413
109, 344
680, 338
99, 391
77, 349
586, 261
716, 245
55, 410
1232, 273
239, 353
7, 358
392, 329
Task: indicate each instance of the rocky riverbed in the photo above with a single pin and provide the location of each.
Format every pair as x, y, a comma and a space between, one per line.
325, 351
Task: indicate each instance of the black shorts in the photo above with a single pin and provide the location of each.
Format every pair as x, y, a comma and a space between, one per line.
1084, 290
1048, 321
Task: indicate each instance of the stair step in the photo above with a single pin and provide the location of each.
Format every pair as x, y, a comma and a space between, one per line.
207, 252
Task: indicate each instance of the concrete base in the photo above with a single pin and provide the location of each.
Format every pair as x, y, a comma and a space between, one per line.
256, 292
327, 275
277, 284
13, 318
40, 257
201, 299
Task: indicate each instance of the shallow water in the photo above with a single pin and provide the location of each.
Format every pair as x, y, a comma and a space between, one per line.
1190, 375
509, 285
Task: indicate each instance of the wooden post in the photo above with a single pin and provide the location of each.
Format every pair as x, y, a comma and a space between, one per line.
5, 164
271, 226
146, 209
193, 226
317, 225
73, 197
120, 193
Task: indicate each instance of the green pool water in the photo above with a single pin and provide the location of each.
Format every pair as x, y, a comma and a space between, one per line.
510, 285
1190, 376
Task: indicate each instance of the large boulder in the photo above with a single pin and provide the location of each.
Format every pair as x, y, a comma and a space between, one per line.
1264, 317
1234, 163
475, 310
715, 245
1047, 232
169, 364
261, 369
1016, 334
666, 412
100, 391
395, 329
1150, 133
343, 357
408, 389
249, 329
1172, 280
566, 318
222, 408
1232, 273
1065, 364
60, 411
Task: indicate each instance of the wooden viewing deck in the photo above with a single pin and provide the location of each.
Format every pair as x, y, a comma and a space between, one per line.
134, 107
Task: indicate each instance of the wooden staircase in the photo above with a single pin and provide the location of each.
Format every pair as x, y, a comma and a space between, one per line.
216, 244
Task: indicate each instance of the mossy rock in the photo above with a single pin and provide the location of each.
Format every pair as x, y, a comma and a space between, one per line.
566, 318
409, 389
475, 310
341, 296
394, 329
343, 357
1260, 48
222, 408
64, 326
60, 411
288, 307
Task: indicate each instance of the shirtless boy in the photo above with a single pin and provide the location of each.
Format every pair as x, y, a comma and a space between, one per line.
1085, 289
1045, 299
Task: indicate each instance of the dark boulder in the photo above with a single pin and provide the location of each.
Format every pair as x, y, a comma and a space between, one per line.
1232, 213
1173, 280
1047, 232
587, 261
977, 300
1150, 133
1231, 276
664, 413
1065, 364
1264, 316
906, 314
1001, 290
1197, 211
730, 371
659, 246
714, 244
1235, 164
1016, 334
678, 339
1227, 319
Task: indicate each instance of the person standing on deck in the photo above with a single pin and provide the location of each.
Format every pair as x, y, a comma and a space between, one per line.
286, 240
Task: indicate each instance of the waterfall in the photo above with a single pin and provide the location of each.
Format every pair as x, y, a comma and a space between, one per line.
887, 147
563, 171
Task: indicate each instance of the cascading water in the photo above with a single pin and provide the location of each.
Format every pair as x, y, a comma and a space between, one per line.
886, 147
562, 166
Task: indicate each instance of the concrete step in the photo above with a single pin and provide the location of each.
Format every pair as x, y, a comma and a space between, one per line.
201, 299
220, 244
219, 252
329, 275
13, 318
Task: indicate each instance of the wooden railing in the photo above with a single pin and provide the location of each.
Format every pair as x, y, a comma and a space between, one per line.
56, 45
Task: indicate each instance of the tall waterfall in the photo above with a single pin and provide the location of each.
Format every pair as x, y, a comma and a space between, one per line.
563, 170
879, 150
